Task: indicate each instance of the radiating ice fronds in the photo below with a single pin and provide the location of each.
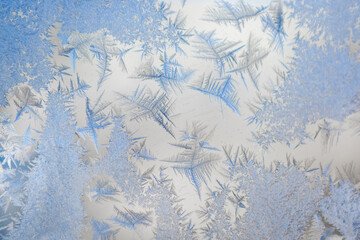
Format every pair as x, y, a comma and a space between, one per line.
223, 89
103, 64
348, 172
95, 119
177, 32
99, 47
273, 23
170, 76
26, 27
61, 71
79, 87
221, 52
97, 42
328, 132
249, 62
131, 219
233, 14
147, 22
102, 230
15, 150
139, 151
103, 191
144, 104
25, 101
235, 158
77, 46
197, 158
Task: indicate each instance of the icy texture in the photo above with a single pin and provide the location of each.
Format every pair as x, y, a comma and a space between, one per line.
280, 202
342, 209
108, 70
53, 208
319, 84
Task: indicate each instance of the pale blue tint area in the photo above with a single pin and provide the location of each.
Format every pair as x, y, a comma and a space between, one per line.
147, 119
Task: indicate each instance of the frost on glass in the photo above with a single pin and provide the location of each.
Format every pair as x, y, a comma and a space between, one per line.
148, 119
53, 207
